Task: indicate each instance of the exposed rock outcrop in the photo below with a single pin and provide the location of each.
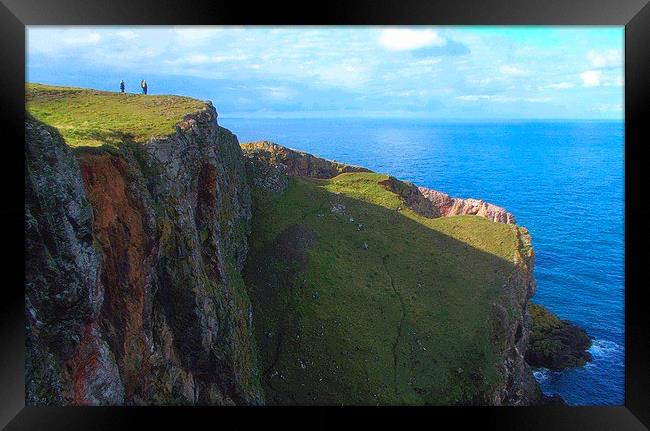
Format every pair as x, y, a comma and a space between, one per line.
449, 206
295, 163
556, 344
133, 273
412, 197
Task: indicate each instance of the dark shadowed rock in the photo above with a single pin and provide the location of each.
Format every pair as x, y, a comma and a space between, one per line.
556, 344
513, 327
411, 196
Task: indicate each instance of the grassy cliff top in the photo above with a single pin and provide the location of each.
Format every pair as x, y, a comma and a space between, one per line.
359, 300
88, 117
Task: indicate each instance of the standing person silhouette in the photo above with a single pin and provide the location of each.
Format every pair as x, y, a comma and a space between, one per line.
122, 86
143, 84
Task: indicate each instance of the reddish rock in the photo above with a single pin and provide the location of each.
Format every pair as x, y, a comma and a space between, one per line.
449, 206
94, 376
126, 268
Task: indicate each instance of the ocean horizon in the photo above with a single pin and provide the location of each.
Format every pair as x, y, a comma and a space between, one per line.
562, 179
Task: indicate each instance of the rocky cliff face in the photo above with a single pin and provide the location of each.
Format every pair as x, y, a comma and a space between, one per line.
513, 325
296, 163
449, 206
133, 285
66, 362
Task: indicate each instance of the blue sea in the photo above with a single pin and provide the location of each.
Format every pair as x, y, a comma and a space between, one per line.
564, 181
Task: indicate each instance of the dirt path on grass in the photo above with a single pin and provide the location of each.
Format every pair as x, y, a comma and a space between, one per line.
401, 321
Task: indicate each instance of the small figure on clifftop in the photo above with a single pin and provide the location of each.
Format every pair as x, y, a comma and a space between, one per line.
143, 84
122, 86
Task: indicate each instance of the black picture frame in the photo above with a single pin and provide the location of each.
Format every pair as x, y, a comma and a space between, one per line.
633, 14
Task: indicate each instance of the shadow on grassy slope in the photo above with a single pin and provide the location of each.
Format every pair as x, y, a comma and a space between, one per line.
368, 305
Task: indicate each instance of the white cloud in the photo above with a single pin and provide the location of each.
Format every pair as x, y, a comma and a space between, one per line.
195, 36
511, 70
396, 39
126, 34
494, 98
201, 59
609, 107
591, 78
536, 99
600, 61
502, 98
80, 39
617, 82
343, 75
604, 59
472, 97
422, 67
427, 62
561, 85
481, 82
276, 92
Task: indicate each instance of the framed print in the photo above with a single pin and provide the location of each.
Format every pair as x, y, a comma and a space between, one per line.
231, 210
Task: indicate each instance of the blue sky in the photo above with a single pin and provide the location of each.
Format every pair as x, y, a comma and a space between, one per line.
465, 72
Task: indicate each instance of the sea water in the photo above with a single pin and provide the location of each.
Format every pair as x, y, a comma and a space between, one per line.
563, 180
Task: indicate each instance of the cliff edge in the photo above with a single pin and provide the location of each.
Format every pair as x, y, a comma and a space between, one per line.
134, 250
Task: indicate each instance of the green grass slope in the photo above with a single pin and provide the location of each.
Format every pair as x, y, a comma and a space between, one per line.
372, 304
92, 118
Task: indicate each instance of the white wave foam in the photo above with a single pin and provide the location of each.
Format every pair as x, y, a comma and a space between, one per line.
541, 375
603, 348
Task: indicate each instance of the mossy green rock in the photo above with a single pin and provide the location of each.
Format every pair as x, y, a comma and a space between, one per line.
556, 344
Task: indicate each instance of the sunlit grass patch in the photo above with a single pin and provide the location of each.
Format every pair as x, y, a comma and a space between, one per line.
87, 117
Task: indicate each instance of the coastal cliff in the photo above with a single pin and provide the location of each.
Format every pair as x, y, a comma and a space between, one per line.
133, 285
167, 264
273, 161
367, 218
